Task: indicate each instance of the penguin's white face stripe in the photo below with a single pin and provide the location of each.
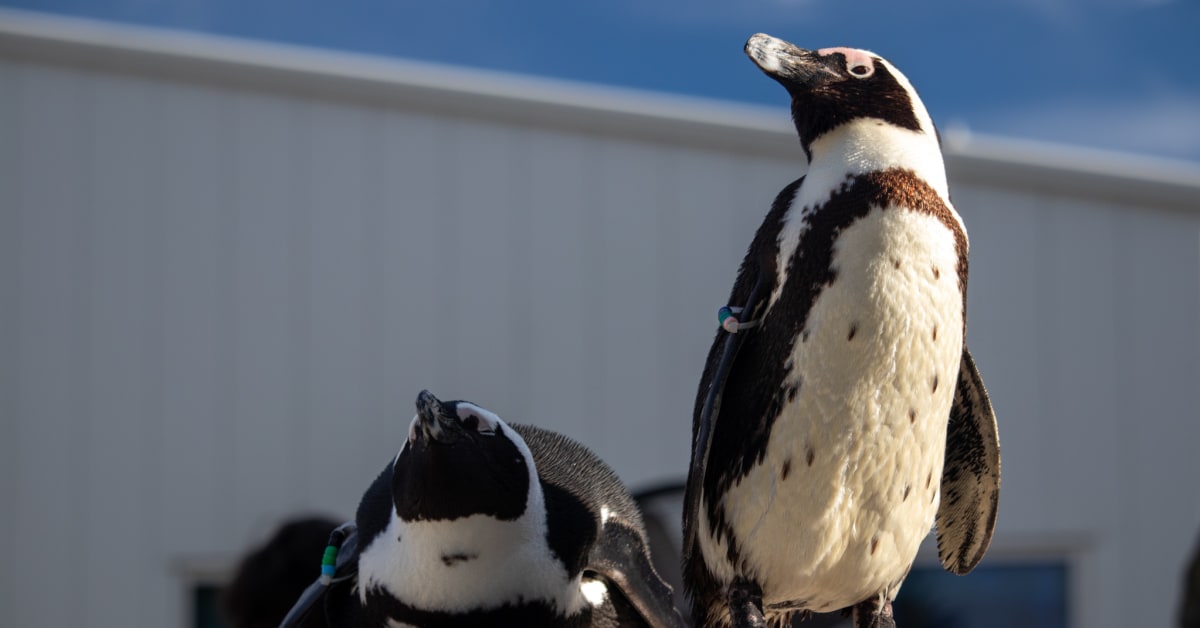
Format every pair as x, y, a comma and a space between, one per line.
472, 562
489, 422
859, 63
918, 105
412, 434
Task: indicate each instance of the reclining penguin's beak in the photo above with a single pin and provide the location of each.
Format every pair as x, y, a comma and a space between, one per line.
434, 423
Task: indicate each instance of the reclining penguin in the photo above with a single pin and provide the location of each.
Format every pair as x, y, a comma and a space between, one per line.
479, 522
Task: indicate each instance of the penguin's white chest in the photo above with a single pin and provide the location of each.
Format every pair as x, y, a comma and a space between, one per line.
850, 481
476, 562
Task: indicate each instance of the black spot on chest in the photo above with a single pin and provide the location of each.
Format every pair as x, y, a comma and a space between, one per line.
451, 560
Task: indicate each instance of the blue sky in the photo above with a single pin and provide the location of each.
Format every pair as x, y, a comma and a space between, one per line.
1114, 74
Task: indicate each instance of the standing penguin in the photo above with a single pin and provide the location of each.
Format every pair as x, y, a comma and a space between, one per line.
840, 412
477, 522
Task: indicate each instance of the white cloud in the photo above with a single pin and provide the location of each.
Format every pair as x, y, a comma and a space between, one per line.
1165, 125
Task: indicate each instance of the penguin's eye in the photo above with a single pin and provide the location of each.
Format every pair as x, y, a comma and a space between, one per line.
862, 71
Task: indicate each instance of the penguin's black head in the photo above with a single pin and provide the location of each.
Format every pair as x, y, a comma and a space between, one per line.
459, 460
834, 86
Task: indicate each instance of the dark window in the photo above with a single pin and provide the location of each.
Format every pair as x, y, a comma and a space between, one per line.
206, 607
1029, 595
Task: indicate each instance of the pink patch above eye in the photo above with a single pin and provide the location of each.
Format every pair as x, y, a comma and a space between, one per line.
854, 57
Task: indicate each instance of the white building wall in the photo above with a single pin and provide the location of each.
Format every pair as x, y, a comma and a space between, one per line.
227, 269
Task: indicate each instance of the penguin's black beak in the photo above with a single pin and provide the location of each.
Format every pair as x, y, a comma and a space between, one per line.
792, 66
436, 423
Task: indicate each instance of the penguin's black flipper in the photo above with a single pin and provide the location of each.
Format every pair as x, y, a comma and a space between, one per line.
311, 609
308, 611
711, 409
621, 558
754, 283
971, 475
343, 607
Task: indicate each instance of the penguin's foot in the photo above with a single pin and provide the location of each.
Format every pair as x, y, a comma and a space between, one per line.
875, 612
745, 604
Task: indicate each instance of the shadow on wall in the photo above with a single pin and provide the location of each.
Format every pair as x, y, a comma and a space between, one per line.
1189, 611
270, 578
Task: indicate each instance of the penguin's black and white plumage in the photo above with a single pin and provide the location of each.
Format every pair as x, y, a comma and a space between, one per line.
842, 414
478, 522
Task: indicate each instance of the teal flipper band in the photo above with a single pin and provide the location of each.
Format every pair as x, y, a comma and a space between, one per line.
328, 563
726, 316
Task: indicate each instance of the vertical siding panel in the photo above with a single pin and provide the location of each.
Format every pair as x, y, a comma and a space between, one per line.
625, 279
665, 456
373, 323
1081, 385
1078, 299
678, 323
444, 372
51, 451
554, 349
524, 296
412, 195
11, 176
264, 202
198, 374
160, 599
335, 390
120, 199
480, 312
1006, 336
1158, 457
299, 298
